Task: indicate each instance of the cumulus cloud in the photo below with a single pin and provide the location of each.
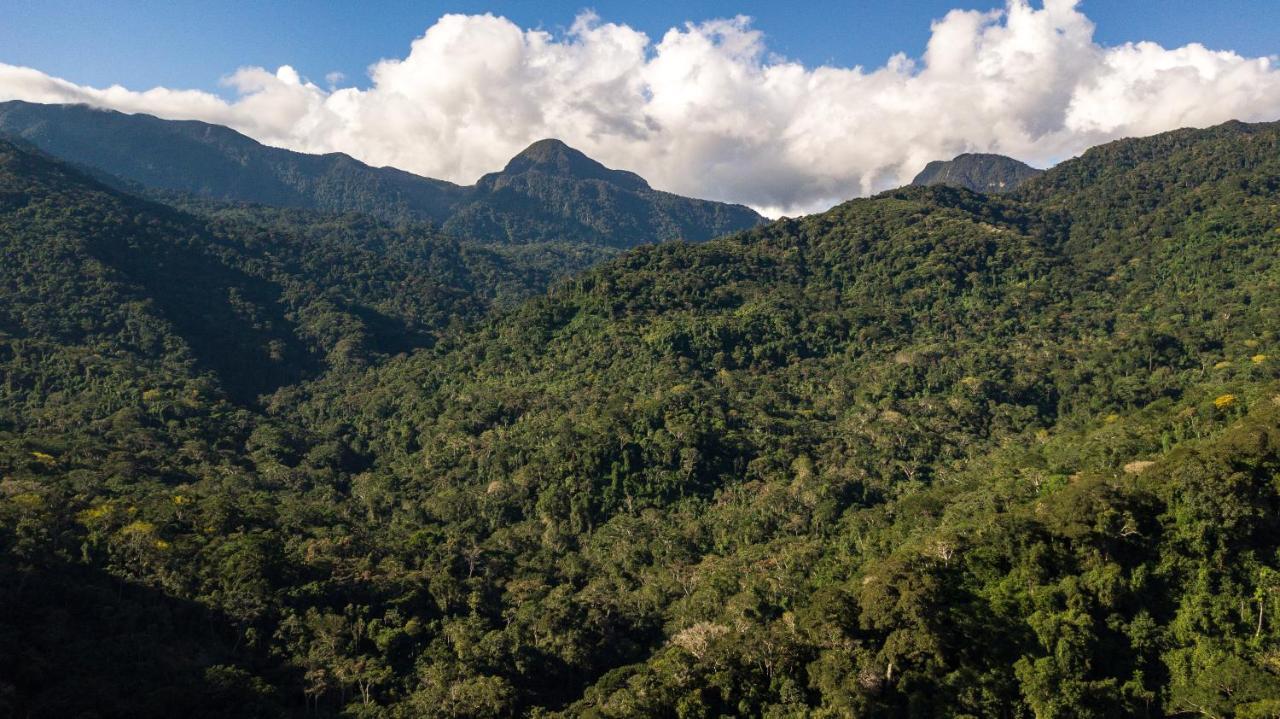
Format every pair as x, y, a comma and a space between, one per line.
706, 110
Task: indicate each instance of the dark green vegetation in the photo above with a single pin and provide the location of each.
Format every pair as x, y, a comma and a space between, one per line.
933, 453
547, 193
259, 297
994, 174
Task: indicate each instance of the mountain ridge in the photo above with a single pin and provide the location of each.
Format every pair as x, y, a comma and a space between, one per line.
547, 192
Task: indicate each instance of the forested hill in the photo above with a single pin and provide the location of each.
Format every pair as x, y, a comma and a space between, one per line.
606, 208
978, 172
806, 466
932, 453
259, 298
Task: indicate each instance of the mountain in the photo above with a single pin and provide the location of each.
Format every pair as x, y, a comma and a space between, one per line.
152, 343
931, 453
554, 159
801, 468
547, 193
977, 172
553, 191
217, 162
257, 297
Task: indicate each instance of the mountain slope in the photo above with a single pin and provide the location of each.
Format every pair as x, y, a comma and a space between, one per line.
220, 163
977, 172
259, 298
577, 201
933, 453
797, 468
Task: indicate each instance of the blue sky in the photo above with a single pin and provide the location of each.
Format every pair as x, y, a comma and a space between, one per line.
190, 44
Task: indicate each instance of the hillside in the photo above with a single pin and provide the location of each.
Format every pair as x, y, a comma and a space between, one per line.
528, 202
142, 348
932, 453
978, 172
219, 163
260, 298
793, 468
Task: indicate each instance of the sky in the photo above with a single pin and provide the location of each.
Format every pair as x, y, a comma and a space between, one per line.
786, 110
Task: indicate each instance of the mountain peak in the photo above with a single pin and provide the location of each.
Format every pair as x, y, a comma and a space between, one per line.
554, 157
980, 172
548, 149
549, 192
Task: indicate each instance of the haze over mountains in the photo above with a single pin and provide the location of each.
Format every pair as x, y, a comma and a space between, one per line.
550, 191
935, 452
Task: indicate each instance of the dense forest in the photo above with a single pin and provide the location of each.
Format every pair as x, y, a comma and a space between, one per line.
931, 453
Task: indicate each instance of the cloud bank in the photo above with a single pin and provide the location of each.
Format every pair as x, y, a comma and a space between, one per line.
708, 111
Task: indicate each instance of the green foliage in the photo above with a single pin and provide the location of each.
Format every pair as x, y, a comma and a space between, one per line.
932, 453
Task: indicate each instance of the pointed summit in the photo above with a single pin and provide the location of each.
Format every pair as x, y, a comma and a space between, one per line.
553, 157
978, 172
551, 192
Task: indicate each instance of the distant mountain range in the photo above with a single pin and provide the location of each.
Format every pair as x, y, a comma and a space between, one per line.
992, 174
549, 192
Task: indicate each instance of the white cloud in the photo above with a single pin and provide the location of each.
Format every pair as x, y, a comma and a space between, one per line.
708, 111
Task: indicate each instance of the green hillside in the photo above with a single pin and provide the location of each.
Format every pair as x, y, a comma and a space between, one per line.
257, 298
932, 453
